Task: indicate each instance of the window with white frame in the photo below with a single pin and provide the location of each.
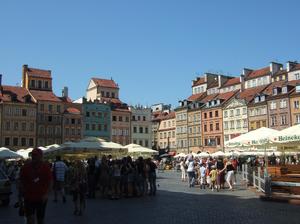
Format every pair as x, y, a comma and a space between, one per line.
273, 121
284, 89
273, 105
298, 119
231, 124
226, 125
225, 113
231, 113
237, 112
238, 124
244, 110
283, 104
297, 76
283, 120
262, 98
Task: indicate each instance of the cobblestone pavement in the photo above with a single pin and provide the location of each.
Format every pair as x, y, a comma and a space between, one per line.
174, 203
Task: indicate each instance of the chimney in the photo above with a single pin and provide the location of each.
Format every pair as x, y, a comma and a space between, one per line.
246, 71
65, 92
290, 65
219, 81
242, 78
205, 78
24, 70
275, 67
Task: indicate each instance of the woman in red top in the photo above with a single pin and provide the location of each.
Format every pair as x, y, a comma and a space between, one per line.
35, 180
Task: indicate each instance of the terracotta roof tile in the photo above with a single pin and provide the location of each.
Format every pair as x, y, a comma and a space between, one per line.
269, 89
226, 96
111, 100
199, 82
231, 82
8, 93
44, 96
248, 94
72, 110
197, 96
34, 72
168, 116
105, 83
258, 73
209, 98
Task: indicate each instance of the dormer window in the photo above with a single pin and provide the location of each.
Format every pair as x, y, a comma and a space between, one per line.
275, 91
218, 102
284, 89
256, 100
46, 85
207, 104
212, 103
262, 98
298, 89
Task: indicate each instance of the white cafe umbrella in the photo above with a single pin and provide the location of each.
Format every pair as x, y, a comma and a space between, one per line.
256, 137
90, 144
203, 155
6, 153
218, 154
134, 148
288, 136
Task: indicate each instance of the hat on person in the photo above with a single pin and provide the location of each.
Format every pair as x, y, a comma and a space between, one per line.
37, 152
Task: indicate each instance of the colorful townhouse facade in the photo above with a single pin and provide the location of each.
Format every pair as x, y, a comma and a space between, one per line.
141, 126
18, 118
167, 131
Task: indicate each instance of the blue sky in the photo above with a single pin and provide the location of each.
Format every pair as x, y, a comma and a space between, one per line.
152, 49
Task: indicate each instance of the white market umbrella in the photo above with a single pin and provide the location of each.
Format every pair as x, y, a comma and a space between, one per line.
256, 137
90, 144
134, 148
6, 153
288, 136
218, 154
204, 155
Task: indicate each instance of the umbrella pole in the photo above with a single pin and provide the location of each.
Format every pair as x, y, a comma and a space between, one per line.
266, 161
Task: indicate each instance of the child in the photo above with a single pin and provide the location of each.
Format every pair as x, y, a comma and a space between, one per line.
213, 177
202, 176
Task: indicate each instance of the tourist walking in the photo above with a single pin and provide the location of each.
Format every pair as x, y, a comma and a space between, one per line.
183, 170
79, 187
152, 176
202, 176
191, 171
229, 175
35, 181
59, 173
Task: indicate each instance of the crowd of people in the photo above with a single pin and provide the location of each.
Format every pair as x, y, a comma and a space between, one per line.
106, 177
208, 172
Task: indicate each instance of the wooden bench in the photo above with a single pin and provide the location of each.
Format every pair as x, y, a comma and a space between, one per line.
286, 179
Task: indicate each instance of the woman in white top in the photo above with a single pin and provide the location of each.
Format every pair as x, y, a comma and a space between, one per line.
191, 171
183, 170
